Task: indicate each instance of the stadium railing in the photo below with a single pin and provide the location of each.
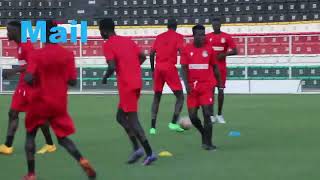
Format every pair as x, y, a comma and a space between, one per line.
252, 47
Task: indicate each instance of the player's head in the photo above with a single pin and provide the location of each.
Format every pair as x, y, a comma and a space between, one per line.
216, 24
172, 24
199, 35
106, 27
50, 24
14, 31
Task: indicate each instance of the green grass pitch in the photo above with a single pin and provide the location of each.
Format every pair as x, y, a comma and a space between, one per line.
279, 141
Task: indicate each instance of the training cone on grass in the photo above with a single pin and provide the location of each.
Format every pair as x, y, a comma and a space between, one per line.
165, 154
234, 134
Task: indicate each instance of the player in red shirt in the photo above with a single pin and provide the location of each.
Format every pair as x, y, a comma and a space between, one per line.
19, 98
49, 73
165, 49
223, 44
199, 67
124, 57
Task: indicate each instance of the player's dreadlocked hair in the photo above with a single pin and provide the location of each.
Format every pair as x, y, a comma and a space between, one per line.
106, 24
172, 23
50, 24
15, 24
198, 27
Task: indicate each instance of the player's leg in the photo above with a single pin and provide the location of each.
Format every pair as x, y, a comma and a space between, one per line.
134, 123
129, 100
154, 111
177, 110
11, 131
71, 148
158, 83
63, 127
172, 78
195, 120
220, 101
223, 73
206, 110
122, 119
49, 146
30, 148
213, 118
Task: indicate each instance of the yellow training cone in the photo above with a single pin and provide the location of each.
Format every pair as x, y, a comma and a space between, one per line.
165, 154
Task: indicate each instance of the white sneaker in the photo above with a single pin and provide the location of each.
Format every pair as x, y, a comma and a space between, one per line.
213, 119
220, 119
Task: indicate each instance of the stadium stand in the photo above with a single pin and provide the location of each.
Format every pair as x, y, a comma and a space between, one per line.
154, 13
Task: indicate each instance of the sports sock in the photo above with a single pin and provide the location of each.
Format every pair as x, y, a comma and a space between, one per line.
147, 147
9, 141
153, 123
70, 147
134, 142
175, 118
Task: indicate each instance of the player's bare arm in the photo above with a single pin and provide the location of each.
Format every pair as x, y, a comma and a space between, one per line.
11, 72
142, 58
185, 77
152, 57
28, 78
233, 52
72, 82
110, 71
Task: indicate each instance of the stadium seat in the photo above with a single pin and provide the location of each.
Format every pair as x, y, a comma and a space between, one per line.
236, 73
73, 47
92, 48
262, 72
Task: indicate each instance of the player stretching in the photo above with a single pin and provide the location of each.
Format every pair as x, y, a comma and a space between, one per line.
221, 43
198, 63
19, 100
165, 49
49, 73
125, 57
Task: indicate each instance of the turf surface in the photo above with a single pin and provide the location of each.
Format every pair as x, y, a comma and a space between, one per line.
279, 140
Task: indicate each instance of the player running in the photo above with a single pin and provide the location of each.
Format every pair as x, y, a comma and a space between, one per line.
19, 100
165, 50
49, 73
125, 57
221, 42
199, 66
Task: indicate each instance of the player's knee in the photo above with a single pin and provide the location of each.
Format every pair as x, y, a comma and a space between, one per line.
207, 113
193, 117
119, 118
30, 146
179, 94
157, 96
180, 98
62, 141
140, 134
13, 115
138, 130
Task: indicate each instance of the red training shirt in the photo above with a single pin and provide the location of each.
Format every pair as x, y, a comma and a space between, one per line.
52, 67
125, 53
220, 43
166, 46
199, 63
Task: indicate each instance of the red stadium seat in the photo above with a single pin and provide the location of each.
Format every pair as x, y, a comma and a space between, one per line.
74, 47
9, 48
92, 48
